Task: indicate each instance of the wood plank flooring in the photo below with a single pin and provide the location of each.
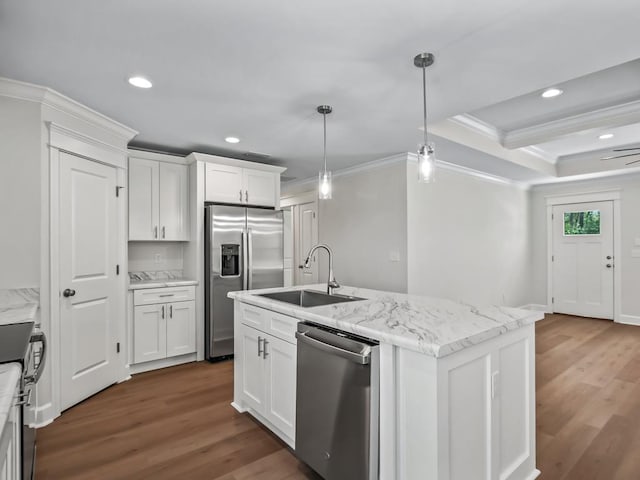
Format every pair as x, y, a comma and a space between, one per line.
177, 422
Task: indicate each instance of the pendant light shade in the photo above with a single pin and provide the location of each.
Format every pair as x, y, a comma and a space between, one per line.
324, 177
426, 150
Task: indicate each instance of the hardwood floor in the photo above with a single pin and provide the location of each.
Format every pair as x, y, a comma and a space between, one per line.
177, 422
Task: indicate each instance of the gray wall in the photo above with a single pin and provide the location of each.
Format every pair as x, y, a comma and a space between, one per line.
469, 239
365, 223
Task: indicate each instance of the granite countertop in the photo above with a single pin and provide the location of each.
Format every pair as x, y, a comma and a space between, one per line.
434, 326
19, 305
159, 279
9, 376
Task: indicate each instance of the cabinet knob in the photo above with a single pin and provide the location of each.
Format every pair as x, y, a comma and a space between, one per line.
246, 196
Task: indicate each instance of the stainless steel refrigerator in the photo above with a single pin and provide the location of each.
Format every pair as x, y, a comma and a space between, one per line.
244, 250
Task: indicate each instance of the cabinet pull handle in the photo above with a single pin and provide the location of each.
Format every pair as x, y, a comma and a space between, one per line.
264, 348
155, 232
246, 196
167, 295
163, 232
241, 195
162, 311
170, 311
260, 340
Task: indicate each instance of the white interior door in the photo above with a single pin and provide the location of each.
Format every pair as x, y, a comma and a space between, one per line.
583, 259
306, 236
88, 257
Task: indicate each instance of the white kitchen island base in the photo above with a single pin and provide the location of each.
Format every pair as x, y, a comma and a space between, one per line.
449, 410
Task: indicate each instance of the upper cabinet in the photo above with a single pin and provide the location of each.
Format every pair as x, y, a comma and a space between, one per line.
246, 186
158, 200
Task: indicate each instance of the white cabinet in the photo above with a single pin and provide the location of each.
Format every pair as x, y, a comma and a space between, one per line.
265, 368
163, 328
158, 200
245, 186
11, 443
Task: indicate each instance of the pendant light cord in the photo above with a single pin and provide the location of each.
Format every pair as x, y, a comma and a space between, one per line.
424, 101
324, 119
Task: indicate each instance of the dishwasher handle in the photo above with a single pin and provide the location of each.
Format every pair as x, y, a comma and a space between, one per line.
363, 358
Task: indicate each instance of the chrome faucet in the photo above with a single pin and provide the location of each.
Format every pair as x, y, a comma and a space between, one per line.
331, 282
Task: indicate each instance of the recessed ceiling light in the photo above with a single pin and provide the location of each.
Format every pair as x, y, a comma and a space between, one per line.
140, 82
605, 136
551, 92
232, 140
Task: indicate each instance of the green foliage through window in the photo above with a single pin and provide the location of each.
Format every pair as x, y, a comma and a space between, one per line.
582, 223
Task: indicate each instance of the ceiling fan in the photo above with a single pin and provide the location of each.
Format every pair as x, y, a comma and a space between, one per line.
637, 152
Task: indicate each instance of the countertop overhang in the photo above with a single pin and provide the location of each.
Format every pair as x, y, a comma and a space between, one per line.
433, 326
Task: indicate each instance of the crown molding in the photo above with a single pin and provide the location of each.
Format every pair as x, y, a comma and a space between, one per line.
478, 126
628, 174
614, 116
232, 162
51, 98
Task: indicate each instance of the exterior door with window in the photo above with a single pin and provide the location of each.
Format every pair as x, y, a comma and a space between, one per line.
582, 259
306, 236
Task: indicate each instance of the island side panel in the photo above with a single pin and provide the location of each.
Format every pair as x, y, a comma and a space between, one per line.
470, 414
238, 402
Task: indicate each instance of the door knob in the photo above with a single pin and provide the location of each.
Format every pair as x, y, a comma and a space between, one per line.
300, 267
609, 265
68, 292
609, 257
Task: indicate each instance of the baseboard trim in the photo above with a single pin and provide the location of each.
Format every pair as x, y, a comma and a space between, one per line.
538, 307
44, 415
162, 363
535, 474
628, 319
238, 407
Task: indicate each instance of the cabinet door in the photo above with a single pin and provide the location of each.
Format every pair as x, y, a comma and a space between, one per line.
253, 369
174, 202
281, 384
223, 184
181, 328
149, 333
260, 187
143, 199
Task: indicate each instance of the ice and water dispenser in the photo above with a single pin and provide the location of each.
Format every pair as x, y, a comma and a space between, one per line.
230, 260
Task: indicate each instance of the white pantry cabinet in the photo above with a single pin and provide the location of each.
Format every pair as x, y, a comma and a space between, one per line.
158, 200
162, 327
245, 186
266, 368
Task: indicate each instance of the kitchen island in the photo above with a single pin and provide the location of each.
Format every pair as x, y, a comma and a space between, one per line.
457, 381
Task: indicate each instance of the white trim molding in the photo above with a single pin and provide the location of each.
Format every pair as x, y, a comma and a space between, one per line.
613, 195
623, 114
629, 319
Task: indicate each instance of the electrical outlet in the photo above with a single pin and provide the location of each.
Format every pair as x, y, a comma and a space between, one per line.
158, 258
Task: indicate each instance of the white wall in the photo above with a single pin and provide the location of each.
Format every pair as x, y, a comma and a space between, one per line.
19, 193
365, 223
468, 239
142, 256
629, 187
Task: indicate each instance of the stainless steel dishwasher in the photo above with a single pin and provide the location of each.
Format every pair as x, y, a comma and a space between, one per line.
337, 399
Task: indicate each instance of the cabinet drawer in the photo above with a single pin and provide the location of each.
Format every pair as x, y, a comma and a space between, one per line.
164, 295
276, 324
281, 326
254, 316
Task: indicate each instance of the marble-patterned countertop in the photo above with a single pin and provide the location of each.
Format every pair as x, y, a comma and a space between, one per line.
9, 376
434, 326
159, 279
19, 305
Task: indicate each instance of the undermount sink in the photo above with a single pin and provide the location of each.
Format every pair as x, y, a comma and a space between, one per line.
309, 298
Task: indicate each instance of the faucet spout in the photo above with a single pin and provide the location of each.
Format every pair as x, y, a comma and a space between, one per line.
332, 284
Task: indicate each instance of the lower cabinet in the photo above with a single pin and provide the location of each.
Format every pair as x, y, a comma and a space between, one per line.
268, 370
10, 444
162, 330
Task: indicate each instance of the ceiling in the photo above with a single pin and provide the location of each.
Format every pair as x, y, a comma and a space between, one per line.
257, 70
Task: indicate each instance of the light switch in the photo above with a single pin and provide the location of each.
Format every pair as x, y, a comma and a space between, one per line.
394, 256
158, 258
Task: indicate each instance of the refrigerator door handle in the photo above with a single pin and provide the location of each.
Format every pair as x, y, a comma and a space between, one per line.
249, 259
244, 260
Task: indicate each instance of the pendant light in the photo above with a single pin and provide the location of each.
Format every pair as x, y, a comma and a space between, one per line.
324, 177
426, 151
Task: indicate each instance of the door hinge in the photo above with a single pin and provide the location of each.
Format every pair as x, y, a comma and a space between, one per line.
553, 299
314, 214
118, 347
117, 269
118, 191
553, 258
